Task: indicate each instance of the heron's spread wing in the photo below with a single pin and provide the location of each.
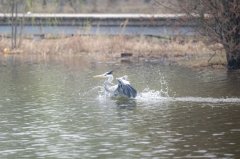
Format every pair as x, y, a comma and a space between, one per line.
125, 89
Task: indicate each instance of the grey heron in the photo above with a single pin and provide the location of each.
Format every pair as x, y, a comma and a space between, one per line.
122, 88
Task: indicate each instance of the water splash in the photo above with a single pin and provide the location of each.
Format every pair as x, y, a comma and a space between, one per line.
93, 90
102, 95
148, 95
164, 91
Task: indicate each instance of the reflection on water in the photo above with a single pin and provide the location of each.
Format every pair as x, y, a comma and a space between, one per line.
51, 107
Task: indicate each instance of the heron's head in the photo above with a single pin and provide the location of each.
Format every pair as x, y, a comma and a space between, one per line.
105, 75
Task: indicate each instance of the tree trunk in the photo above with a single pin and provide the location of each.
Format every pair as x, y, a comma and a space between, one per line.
233, 60
44, 4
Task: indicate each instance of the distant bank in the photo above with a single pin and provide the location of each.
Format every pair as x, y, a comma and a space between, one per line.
137, 20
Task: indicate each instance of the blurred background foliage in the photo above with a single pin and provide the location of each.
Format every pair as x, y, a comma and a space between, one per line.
91, 6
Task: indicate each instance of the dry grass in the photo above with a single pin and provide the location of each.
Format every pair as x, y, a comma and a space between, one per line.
181, 51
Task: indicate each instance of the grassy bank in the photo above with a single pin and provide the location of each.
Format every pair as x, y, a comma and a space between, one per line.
189, 52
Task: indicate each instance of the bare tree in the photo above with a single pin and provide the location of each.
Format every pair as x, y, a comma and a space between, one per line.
61, 6
220, 21
14, 23
44, 3
17, 23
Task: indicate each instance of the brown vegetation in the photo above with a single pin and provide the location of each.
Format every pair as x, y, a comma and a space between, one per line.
177, 50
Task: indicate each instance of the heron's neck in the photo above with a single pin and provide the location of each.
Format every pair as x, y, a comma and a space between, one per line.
108, 83
110, 79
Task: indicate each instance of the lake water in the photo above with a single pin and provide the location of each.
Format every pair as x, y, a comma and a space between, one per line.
51, 107
103, 30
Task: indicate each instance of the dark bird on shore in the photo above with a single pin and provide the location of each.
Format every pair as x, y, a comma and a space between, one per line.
122, 88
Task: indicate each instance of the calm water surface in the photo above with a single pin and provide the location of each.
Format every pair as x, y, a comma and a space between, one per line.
103, 30
53, 108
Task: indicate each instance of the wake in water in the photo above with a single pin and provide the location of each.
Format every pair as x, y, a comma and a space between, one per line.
206, 100
155, 96
152, 96
162, 96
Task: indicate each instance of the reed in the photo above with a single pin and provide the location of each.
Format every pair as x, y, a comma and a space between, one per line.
182, 51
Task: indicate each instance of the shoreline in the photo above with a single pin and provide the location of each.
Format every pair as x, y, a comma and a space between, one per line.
100, 19
184, 51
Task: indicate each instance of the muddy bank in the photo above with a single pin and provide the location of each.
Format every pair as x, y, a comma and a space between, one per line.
190, 52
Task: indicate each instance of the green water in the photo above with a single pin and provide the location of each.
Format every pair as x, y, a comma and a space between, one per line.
53, 108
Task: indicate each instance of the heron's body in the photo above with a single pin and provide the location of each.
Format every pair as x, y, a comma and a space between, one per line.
123, 88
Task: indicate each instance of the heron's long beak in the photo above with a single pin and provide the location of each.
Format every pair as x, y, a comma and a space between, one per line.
99, 76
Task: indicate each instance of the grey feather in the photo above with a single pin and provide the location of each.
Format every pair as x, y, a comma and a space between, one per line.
125, 89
